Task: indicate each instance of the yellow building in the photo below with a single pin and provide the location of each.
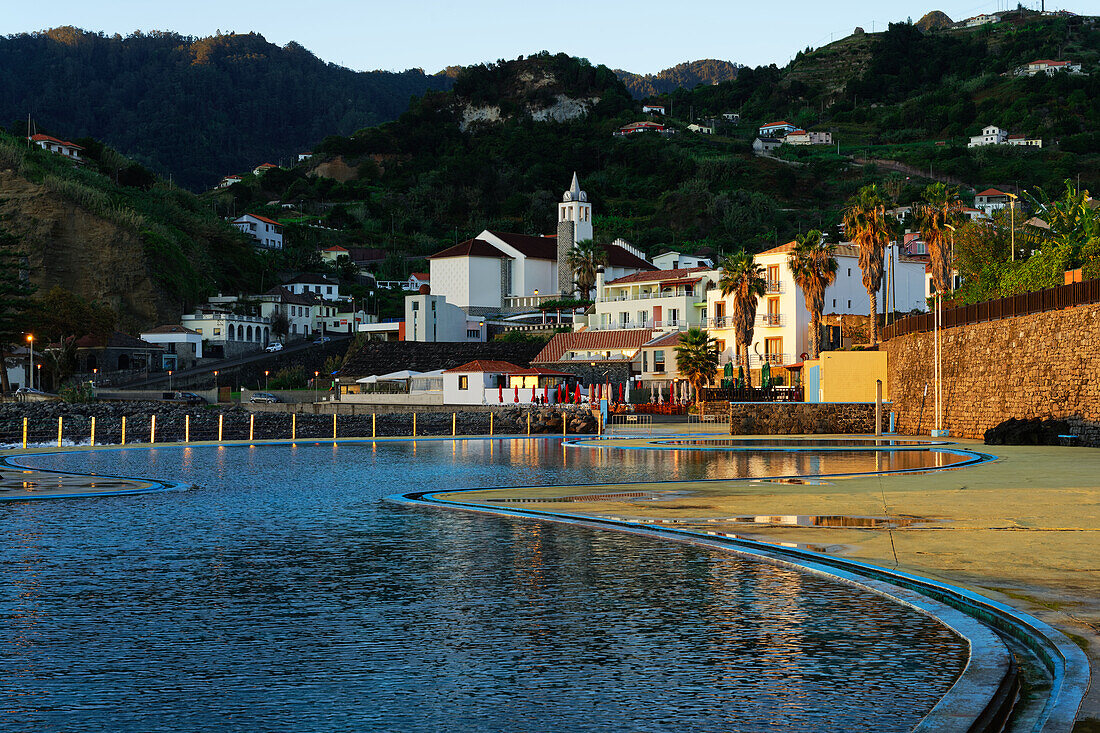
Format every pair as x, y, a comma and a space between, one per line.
845, 376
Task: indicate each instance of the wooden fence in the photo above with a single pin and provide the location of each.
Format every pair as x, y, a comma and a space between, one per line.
1039, 301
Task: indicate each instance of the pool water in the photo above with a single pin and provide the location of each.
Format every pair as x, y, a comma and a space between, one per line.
283, 594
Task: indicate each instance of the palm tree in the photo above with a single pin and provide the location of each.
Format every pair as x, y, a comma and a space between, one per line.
742, 277
866, 226
584, 259
697, 358
813, 264
934, 216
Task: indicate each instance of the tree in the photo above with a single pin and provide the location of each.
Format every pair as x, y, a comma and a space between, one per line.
584, 259
866, 226
58, 319
1069, 220
744, 279
935, 215
697, 358
280, 324
15, 290
813, 264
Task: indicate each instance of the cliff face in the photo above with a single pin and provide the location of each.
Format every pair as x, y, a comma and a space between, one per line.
69, 247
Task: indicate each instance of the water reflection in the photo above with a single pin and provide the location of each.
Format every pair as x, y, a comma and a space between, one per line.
284, 595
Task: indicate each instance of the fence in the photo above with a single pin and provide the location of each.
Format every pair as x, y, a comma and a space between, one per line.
617, 422
1051, 299
234, 426
753, 394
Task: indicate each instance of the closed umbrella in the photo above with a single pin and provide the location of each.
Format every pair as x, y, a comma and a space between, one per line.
546, 393
740, 377
500, 392
727, 375
765, 376
652, 393
517, 394
661, 394
578, 396
532, 393
621, 392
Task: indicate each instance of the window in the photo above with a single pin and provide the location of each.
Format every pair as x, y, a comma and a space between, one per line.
624, 318
834, 302
199, 330
473, 333
217, 331
773, 349
849, 272
328, 290
773, 275
849, 303
720, 344
673, 316
463, 381
645, 360
659, 360
416, 306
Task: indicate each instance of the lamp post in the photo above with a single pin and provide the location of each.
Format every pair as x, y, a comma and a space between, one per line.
169, 380
537, 305
217, 394
30, 340
267, 381
1012, 222
316, 377
95, 376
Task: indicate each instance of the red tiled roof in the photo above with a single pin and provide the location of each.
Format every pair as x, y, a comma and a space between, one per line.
170, 329
335, 248
421, 276
634, 126
1048, 62
261, 218
992, 192
776, 124
592, 341
669, 339
469, 248
1016, 137
842, 250
657, 275
796, 132
47, 138
541, 372
486, 366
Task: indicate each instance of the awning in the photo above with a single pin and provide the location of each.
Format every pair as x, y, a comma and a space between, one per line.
367, 380
398, 376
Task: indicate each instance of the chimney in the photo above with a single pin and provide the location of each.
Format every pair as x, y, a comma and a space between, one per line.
600, 278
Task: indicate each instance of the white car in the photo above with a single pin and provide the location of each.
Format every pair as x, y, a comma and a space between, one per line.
322, 339
276, 346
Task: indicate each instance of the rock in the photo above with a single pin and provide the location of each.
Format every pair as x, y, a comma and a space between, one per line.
1028, 432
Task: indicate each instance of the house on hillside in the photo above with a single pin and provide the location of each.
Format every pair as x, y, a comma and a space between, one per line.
182, 346
701, 129
673, 260
733, 117
1048, 67
635, 127
776, 129
805, 137
990, 200
653, 109
263, 168
268, 233
1024, 140
656, 299
418, 280
309, 282
982, 19
764, 145
54, 145
227, 334
991, 135
230, 180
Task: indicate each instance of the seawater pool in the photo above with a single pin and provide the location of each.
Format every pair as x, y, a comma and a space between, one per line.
283, 594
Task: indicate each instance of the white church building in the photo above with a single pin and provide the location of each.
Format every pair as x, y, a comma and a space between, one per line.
504, 273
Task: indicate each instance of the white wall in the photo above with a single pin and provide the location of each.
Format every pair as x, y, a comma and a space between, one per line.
194, 339
467, 281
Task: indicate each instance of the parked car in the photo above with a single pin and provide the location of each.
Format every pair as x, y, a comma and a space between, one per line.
263, 397
189, 398
322, 339
29, 390
275, 346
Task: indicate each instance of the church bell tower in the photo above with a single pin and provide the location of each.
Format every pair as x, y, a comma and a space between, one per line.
574, 225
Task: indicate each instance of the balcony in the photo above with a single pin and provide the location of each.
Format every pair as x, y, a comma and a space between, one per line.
620, 297
774, 286
757, 360
528, 301
769, 319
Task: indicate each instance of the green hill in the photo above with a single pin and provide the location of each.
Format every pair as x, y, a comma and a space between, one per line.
686, 75
198, 108
112, 232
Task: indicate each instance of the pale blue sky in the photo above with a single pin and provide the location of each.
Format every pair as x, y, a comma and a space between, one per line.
640, 35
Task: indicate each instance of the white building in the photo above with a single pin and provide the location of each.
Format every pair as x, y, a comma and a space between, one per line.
991, 135
1024, 141
674, 260
230, 180
805, 137
701, 129
230, 333
268, 233
978, 20
500, 271
183, 346
733, 117
782, 329
263, 168
61, 147
432, 318
485, 382
418, 280
653, 109
662, 300
300, 311
1049, 67
764, 145
318, 285
776, 129
990, 200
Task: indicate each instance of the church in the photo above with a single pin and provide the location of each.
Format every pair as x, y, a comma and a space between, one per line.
501, 273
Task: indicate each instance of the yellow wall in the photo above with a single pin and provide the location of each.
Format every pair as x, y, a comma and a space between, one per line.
849, 376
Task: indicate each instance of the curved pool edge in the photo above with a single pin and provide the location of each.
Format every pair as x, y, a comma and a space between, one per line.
982, 696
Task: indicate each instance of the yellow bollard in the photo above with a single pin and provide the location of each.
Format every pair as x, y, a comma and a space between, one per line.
528, 423
374, 425
294, 426
59, 419
414, 424
490, 423
599, 423
152, 429
334, 425
251, 425
24, 433
123, 430
92, 441
220, 418
454, 424
186, 428
564, 423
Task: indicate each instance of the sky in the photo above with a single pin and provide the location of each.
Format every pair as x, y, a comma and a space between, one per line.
643, 36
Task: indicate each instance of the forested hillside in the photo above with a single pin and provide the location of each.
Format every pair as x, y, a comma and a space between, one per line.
195, 108
686, 75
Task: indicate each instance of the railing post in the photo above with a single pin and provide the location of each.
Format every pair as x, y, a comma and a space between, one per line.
59, 422
334, 425
221, 425
92, 439
152, 429
25, 420
251, 425
123, 430
186, 428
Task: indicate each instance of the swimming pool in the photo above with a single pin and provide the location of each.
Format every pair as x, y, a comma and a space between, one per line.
282, 594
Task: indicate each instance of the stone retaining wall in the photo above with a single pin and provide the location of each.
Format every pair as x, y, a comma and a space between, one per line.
1045, 365
793, 418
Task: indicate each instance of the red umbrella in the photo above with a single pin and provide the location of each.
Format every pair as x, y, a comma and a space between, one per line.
500, 393
532, 393
517, 394
546, 394
578, 393
599, 391
620, 391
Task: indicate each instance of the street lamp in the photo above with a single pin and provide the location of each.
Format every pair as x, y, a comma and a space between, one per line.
1012, 222
217, 394
266, 380
169, 380
316, 377
30, 340
95, 376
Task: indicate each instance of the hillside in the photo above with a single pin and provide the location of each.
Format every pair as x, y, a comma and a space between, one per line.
113, 233
686, 75
196, 108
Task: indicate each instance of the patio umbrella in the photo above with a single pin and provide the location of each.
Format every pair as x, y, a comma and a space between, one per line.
517, 394
532, 393
578, 398
652, 393
727, 375
500, 393
546, 393
765, 376
740, 378
661, 394
620, 391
